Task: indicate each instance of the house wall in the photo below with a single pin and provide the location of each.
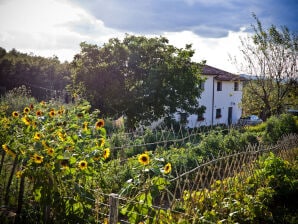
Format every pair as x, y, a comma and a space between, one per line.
221, 100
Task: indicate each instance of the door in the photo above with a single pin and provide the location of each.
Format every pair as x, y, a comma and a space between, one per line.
230, 114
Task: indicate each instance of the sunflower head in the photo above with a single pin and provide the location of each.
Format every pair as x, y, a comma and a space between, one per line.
37, 158
52, 113
144, 159
38, 113
167, 168
60, 112
99, 124
19, 174
101, 142
106, 153
37, 136
31, 106
50, 151
26, 120
64, 163
15, 114
26, 110
85, 126
83, 165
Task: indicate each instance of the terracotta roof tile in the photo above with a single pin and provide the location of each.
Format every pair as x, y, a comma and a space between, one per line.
221, 74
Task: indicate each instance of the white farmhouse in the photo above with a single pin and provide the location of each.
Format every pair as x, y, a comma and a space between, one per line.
221, 96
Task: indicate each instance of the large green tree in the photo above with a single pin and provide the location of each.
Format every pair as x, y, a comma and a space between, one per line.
270, 56
142, 78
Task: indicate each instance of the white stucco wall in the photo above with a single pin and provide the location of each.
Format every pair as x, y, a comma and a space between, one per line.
222, 100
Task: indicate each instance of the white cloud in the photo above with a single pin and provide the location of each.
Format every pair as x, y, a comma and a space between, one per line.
216, 51
52, 27
47, 27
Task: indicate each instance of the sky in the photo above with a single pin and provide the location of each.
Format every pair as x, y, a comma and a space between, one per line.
213, 27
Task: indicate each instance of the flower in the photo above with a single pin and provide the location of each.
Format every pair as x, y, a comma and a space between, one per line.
50, 151
83, 165
38, 113
106, 153
99, 124
19, 174
61, 136
144, 159
64, 163
26, 120
60, 112
31, 106
52, 113
15, 114
85, 126
8, 150
101, 142
42, 103
37, 136
37, 158
167, 168
26, 110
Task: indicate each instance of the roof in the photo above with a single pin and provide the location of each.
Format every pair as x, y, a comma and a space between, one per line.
221, 74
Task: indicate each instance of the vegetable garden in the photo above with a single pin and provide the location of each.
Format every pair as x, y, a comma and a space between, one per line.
61, 163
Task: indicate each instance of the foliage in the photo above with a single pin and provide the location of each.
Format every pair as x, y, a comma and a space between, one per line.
42, 75
271, 57
15, 100
56, 152
265, 196
143, 78
278, 126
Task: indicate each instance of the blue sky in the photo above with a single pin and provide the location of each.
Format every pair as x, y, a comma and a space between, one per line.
214, 27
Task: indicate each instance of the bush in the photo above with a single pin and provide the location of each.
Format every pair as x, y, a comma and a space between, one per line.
276, 127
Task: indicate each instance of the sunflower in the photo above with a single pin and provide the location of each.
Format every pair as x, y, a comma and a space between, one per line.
26, 120
167, 168
85, 126
42, 103
19, 174
37, 158
31, 106
50, 151
52, 113
106, 153
37, 136
99, 124
83, 165
144, 159
26, 110
60, 112
61, 136
8, 150
64, 163
38, 113
15, 114
101, 142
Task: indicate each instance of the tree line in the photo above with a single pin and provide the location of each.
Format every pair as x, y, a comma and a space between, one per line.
146, 78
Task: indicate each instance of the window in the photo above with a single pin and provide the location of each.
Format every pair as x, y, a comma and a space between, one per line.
218, 113
236, 86
219, 86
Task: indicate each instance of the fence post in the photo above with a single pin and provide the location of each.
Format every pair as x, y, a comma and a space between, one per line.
114, 203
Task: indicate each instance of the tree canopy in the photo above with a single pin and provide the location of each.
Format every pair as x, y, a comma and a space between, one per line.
142, 78
42, 75
271, 58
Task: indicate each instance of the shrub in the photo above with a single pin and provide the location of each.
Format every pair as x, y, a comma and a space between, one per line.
278, 126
